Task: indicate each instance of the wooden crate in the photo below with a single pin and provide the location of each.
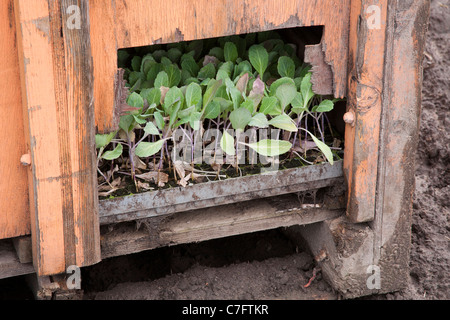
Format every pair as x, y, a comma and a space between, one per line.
370, 53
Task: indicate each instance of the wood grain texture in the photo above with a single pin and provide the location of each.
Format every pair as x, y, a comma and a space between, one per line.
322, 75
399, 139
128, 23
10, 265
14, 207
212, 223
366, 73
57, 99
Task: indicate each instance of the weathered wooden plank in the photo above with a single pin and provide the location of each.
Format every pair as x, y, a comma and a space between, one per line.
364, 105
14, 207
83, 220
57, 96
163, 202
22, 245
322, 75
126, 23
33, 27
399, 139
10, 265
212, 223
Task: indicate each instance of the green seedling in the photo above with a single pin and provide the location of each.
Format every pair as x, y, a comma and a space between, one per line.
238, 83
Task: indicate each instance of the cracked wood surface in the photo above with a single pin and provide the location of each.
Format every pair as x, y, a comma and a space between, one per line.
56, 74
14, 210
128, 23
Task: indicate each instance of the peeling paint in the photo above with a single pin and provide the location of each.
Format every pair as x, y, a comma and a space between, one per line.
43, 24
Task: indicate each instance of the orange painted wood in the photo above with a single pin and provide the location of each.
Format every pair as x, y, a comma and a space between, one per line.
57, 93
129, 23
365, 88
14, 211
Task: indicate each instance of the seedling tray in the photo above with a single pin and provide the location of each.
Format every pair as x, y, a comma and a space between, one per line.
215, 193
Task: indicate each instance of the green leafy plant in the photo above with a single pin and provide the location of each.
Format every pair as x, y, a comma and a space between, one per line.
228, 85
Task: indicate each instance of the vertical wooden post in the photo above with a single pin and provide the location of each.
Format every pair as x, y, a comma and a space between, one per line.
56, 73
407, 27
14, 212
365, 88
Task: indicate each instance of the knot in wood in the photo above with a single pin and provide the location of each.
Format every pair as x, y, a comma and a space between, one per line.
367, 97
25, 159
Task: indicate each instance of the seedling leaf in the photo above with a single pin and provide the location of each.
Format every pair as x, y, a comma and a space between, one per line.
324, 148
324, 106
190, 65
193, 94
274, 86
173, 74
114, 154
212, 110
194, 120
227, 143
153, 96
211, 93
271, 148
147, 149
172, 96
286, 93
286, 67
151, 129
162, 79
306, 89
259, 58
208, 71
270, 106
240, 118
259, 120
284, 122
135, 100
102, 140
159, 120
230, 52
126, 123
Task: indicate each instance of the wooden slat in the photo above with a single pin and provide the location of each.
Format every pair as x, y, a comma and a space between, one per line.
215, 193
212, 223
365, 88
14, 210
40, 112
22, 245
78, 80
57, 96
399, 140
128, 23
10, 265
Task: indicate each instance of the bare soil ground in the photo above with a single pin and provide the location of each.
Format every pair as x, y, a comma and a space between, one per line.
267, 265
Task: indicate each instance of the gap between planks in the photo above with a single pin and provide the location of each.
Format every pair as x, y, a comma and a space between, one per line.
212, 223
